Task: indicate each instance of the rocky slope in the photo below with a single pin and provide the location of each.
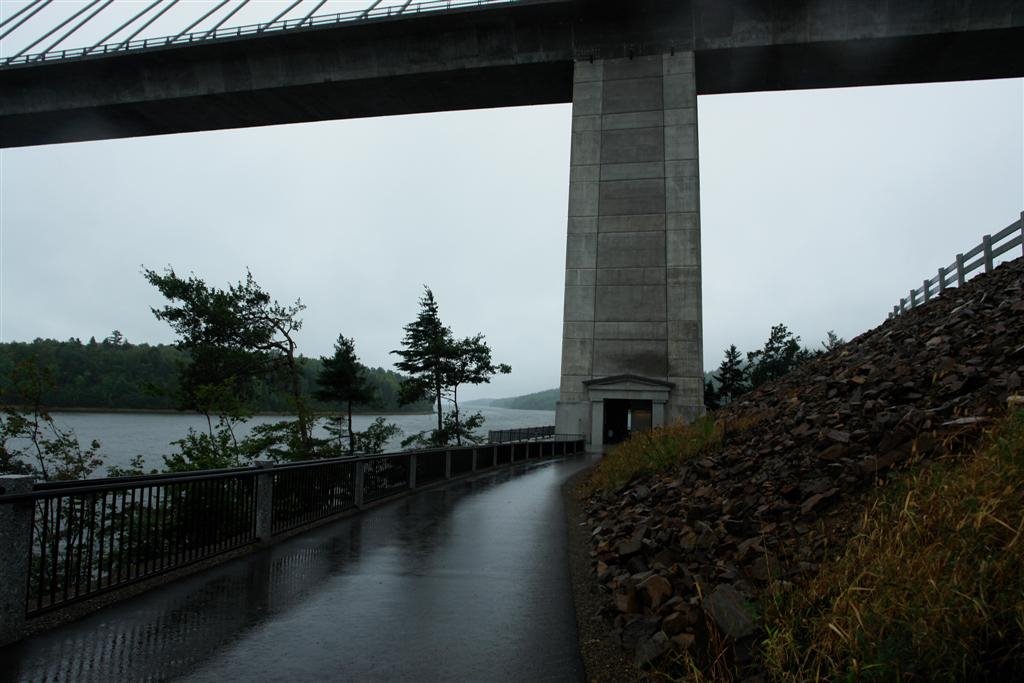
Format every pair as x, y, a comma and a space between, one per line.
684, 558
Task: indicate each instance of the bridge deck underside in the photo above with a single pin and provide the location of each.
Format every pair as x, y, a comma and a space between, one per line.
519, 54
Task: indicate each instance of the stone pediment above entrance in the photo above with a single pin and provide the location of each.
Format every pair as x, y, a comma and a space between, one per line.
629, 384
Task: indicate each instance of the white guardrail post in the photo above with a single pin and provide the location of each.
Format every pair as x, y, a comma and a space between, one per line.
989, 249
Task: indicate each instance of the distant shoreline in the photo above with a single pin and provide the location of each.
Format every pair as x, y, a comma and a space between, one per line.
164, 411
490, 405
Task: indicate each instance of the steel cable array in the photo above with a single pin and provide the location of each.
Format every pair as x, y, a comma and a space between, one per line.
29, 26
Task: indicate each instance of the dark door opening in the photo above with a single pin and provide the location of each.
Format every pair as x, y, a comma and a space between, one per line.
616, 420
622, 417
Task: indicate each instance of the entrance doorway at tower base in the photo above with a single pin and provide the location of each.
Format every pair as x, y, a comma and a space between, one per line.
624, 404
623, 417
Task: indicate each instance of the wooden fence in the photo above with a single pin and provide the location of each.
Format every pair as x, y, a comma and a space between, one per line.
955, 274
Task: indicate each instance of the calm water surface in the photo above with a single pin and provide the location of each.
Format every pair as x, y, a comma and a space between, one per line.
124, 435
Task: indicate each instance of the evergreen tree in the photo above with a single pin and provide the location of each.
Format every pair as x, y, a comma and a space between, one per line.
116, 339
438, 365
781, 353
731, 376
833, 342
711, 396
341, 379
425, 357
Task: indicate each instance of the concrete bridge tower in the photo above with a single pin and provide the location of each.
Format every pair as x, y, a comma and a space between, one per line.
632, 330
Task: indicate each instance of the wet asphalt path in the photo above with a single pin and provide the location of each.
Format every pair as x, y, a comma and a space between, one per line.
463, 583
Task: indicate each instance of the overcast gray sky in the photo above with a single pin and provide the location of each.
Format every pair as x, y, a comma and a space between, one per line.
820, 209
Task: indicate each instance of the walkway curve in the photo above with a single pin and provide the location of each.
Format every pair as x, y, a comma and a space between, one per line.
468, 582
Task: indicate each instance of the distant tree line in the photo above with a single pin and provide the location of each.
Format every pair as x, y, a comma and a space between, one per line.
235, 355
540, 400
780, 354
115, 374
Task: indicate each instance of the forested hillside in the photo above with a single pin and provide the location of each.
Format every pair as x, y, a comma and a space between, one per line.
541, 400
114, 374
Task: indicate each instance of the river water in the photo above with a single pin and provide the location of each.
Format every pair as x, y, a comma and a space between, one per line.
122, 436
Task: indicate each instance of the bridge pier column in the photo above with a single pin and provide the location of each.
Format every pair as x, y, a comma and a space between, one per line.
633, 278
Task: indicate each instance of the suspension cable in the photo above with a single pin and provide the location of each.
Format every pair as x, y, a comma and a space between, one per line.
122, 26
52, 31
18, 13
369, 9
146, 25
232, 13
77, 26
289, 9
312, 12
31, 14
200, 20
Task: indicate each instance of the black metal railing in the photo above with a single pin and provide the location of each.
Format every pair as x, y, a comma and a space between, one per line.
523, 434
485, 457
307, 492
89, 537
430, 467
386, 476
462, 461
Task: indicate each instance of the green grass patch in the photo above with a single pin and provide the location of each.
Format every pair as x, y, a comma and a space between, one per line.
931, 588
654, 451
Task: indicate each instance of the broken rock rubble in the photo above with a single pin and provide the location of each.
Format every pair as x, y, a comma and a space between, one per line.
687, 554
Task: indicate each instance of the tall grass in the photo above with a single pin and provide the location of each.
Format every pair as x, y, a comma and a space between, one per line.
931, 588
654, 451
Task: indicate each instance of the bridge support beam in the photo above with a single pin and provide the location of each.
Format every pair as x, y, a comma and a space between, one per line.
632, 317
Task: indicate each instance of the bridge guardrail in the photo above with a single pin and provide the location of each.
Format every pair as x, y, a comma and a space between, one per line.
71, 541
374, 12
522, 434
955, 274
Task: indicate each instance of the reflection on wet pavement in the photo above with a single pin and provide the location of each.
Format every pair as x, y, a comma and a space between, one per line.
463, 583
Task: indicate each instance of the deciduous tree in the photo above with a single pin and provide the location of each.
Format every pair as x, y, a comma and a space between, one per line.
469, 362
